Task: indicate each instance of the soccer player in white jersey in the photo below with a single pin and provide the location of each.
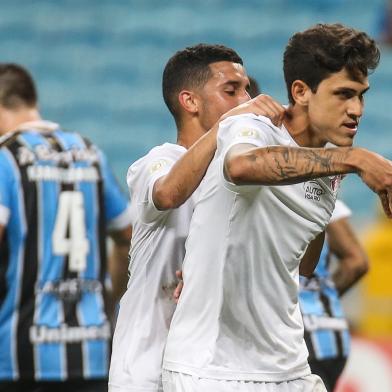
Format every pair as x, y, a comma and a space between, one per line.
200, 83
264, 203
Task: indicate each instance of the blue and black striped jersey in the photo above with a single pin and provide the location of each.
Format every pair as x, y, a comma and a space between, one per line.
326, 330
57, 199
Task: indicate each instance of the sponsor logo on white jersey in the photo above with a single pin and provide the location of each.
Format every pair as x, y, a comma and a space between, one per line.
313, 190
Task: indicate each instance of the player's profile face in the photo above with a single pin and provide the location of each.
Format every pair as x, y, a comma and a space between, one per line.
224, 90
336, 107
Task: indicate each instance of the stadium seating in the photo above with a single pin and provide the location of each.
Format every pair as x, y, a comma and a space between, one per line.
99, 64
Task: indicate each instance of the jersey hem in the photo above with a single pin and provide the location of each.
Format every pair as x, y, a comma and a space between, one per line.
217, 374
119, 388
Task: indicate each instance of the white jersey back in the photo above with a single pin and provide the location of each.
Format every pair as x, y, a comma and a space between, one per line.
238, 316
157, 251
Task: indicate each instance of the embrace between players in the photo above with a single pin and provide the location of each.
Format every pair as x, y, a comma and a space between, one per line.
233, 205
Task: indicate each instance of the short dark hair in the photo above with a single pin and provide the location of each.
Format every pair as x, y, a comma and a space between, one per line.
17, 87
253, 89
189, 68
316, 53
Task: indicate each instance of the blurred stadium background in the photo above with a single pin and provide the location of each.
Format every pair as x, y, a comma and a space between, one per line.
98, 64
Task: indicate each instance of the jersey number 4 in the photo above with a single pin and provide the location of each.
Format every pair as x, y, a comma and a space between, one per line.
69, 235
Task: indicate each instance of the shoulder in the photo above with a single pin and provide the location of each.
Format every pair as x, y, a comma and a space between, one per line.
164, 151
246, 125
156, 160
248, 129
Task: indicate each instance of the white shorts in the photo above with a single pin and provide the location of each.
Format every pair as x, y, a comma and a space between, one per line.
180, 382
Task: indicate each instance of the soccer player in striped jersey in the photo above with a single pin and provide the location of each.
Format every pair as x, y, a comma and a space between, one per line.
327, 333
58, 202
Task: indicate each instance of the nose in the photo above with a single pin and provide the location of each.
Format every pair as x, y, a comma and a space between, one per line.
244, 97
355, 108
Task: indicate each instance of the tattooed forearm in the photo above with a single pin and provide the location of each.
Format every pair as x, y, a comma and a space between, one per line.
287, 165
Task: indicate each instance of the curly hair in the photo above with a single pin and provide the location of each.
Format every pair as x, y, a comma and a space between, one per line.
189, 69
314, 54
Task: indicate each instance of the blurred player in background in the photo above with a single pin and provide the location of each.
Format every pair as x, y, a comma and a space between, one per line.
200, 83
58, 202
264, 203
327, 333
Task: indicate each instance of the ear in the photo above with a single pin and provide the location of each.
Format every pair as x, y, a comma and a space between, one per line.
188, 101
301, 92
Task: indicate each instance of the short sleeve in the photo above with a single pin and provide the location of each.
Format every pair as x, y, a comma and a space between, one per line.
117, 207
341, 211
244, 129
141, 178
254, 130
6, 185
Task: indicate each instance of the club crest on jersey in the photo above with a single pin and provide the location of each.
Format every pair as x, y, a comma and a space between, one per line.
313, 190
247, 132
335, 182
159, 165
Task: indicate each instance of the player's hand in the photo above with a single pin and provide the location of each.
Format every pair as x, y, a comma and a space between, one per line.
262, 105
180, 285
376, 172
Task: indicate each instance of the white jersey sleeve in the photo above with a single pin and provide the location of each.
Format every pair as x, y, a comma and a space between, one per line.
142, 176
243, 129
246, 129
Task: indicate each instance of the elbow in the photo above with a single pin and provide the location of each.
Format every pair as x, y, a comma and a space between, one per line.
236, 171
165, 199
361, 268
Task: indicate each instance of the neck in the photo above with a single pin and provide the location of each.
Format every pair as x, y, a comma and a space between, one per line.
12, 119
188, 133
298, 125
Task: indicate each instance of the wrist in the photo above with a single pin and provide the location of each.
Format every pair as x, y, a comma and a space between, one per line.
355, 159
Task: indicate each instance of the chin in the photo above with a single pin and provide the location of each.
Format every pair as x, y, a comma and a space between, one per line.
346, 143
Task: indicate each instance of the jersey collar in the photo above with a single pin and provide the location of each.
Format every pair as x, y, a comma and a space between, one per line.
40, 125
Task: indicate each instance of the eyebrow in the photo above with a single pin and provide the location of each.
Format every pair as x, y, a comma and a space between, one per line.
351, 90
234, 83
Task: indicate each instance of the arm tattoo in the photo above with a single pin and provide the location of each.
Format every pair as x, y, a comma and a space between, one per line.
286, 165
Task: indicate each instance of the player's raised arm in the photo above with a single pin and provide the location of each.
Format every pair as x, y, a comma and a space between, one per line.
280, 165
173, 189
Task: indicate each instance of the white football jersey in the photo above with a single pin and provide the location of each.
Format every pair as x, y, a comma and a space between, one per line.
238, 316
157, 251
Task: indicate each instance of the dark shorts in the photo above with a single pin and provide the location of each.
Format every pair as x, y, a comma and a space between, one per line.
329, 370
56, 386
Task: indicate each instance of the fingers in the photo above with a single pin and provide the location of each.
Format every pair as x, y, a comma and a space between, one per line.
177, 292
386, 202
262, 105
180, 285
265, 105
